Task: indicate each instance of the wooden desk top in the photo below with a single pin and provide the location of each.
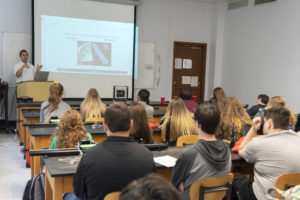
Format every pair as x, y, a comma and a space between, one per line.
46, 129
76, 102
35, 113
67, 165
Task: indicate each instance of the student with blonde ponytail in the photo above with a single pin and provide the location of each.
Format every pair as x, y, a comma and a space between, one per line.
92, 106
178, 121
54, 107
70, 131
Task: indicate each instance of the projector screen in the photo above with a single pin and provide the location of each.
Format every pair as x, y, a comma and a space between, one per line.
85, 44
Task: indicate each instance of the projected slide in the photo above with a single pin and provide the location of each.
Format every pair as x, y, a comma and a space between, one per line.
86, 46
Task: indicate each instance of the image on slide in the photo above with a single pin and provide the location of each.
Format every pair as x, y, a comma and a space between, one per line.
94, 53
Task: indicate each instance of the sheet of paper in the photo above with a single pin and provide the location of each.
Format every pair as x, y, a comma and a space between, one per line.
178, 63
187, 64
186, 80
194, 81
167, 161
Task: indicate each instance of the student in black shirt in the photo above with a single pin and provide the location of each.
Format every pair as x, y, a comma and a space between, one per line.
111, 165
261, 102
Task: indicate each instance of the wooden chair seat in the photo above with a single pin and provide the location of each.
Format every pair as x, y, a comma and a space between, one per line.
187, 139
94, 119
284, 180
112, 196
212, 188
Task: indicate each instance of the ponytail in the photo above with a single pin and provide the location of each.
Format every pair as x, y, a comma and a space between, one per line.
56, 92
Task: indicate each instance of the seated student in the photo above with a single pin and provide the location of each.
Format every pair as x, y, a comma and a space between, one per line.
143, 98
177, 122
208, 157
54, 107
70, 131
140, 129
277, 101
218, 98
111, 165
92, 105
186, 95
261, 102
275, 153
150, 187
235, 121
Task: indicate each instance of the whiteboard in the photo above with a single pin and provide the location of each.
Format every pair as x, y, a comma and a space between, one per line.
12, 44
146, 65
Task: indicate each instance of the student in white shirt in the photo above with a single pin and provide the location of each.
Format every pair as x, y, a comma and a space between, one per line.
25, 71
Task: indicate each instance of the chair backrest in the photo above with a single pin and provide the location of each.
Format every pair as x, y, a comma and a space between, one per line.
284, 180
112, 196
212, 188
94, 119
187, 139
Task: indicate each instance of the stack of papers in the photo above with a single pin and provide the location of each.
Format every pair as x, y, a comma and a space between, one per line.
167, 161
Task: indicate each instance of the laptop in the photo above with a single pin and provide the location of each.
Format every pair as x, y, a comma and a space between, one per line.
41, 76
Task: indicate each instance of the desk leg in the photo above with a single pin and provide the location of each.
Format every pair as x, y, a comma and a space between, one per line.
48, 189
53, 187
166, 173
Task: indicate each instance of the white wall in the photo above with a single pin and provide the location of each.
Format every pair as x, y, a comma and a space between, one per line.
166, 21
15, 16
261, 52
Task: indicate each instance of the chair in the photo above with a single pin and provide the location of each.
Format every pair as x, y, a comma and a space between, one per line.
186, 139
285, 181
112, 196
212, 188
94, 119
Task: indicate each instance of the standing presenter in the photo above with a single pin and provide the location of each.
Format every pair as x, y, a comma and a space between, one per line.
25, 71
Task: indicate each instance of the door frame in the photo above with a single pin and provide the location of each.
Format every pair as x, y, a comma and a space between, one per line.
202, 76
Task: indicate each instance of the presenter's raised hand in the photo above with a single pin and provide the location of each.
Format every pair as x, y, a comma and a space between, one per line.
39, 67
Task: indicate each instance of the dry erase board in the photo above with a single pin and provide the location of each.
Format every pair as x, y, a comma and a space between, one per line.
12, 44
146, 65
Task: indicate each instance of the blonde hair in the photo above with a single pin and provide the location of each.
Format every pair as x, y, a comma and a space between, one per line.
278, 101
220, 97
92, 106
70, 130
181, 122
140, 129
233, 118
56, 92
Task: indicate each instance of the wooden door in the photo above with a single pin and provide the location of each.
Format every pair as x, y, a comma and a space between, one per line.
191, 73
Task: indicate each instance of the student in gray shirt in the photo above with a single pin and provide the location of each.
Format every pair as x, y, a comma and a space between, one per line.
54, 107
275, 153
208, 157
143, 98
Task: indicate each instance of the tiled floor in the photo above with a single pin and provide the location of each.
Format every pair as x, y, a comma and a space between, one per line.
13, 173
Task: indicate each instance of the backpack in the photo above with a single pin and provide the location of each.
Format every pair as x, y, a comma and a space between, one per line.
35, 188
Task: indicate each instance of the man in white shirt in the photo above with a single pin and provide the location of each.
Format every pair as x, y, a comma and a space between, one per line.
275, 153
25, 71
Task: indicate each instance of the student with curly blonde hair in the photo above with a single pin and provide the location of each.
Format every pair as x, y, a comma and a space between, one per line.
140, 130
92, 106
70, 131
235, 121
54, 107
178, 121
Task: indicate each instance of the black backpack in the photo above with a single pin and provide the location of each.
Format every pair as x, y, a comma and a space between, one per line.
35, 188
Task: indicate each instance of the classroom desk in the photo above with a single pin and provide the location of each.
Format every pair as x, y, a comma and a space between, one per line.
60, 171
33, 116
40, 134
